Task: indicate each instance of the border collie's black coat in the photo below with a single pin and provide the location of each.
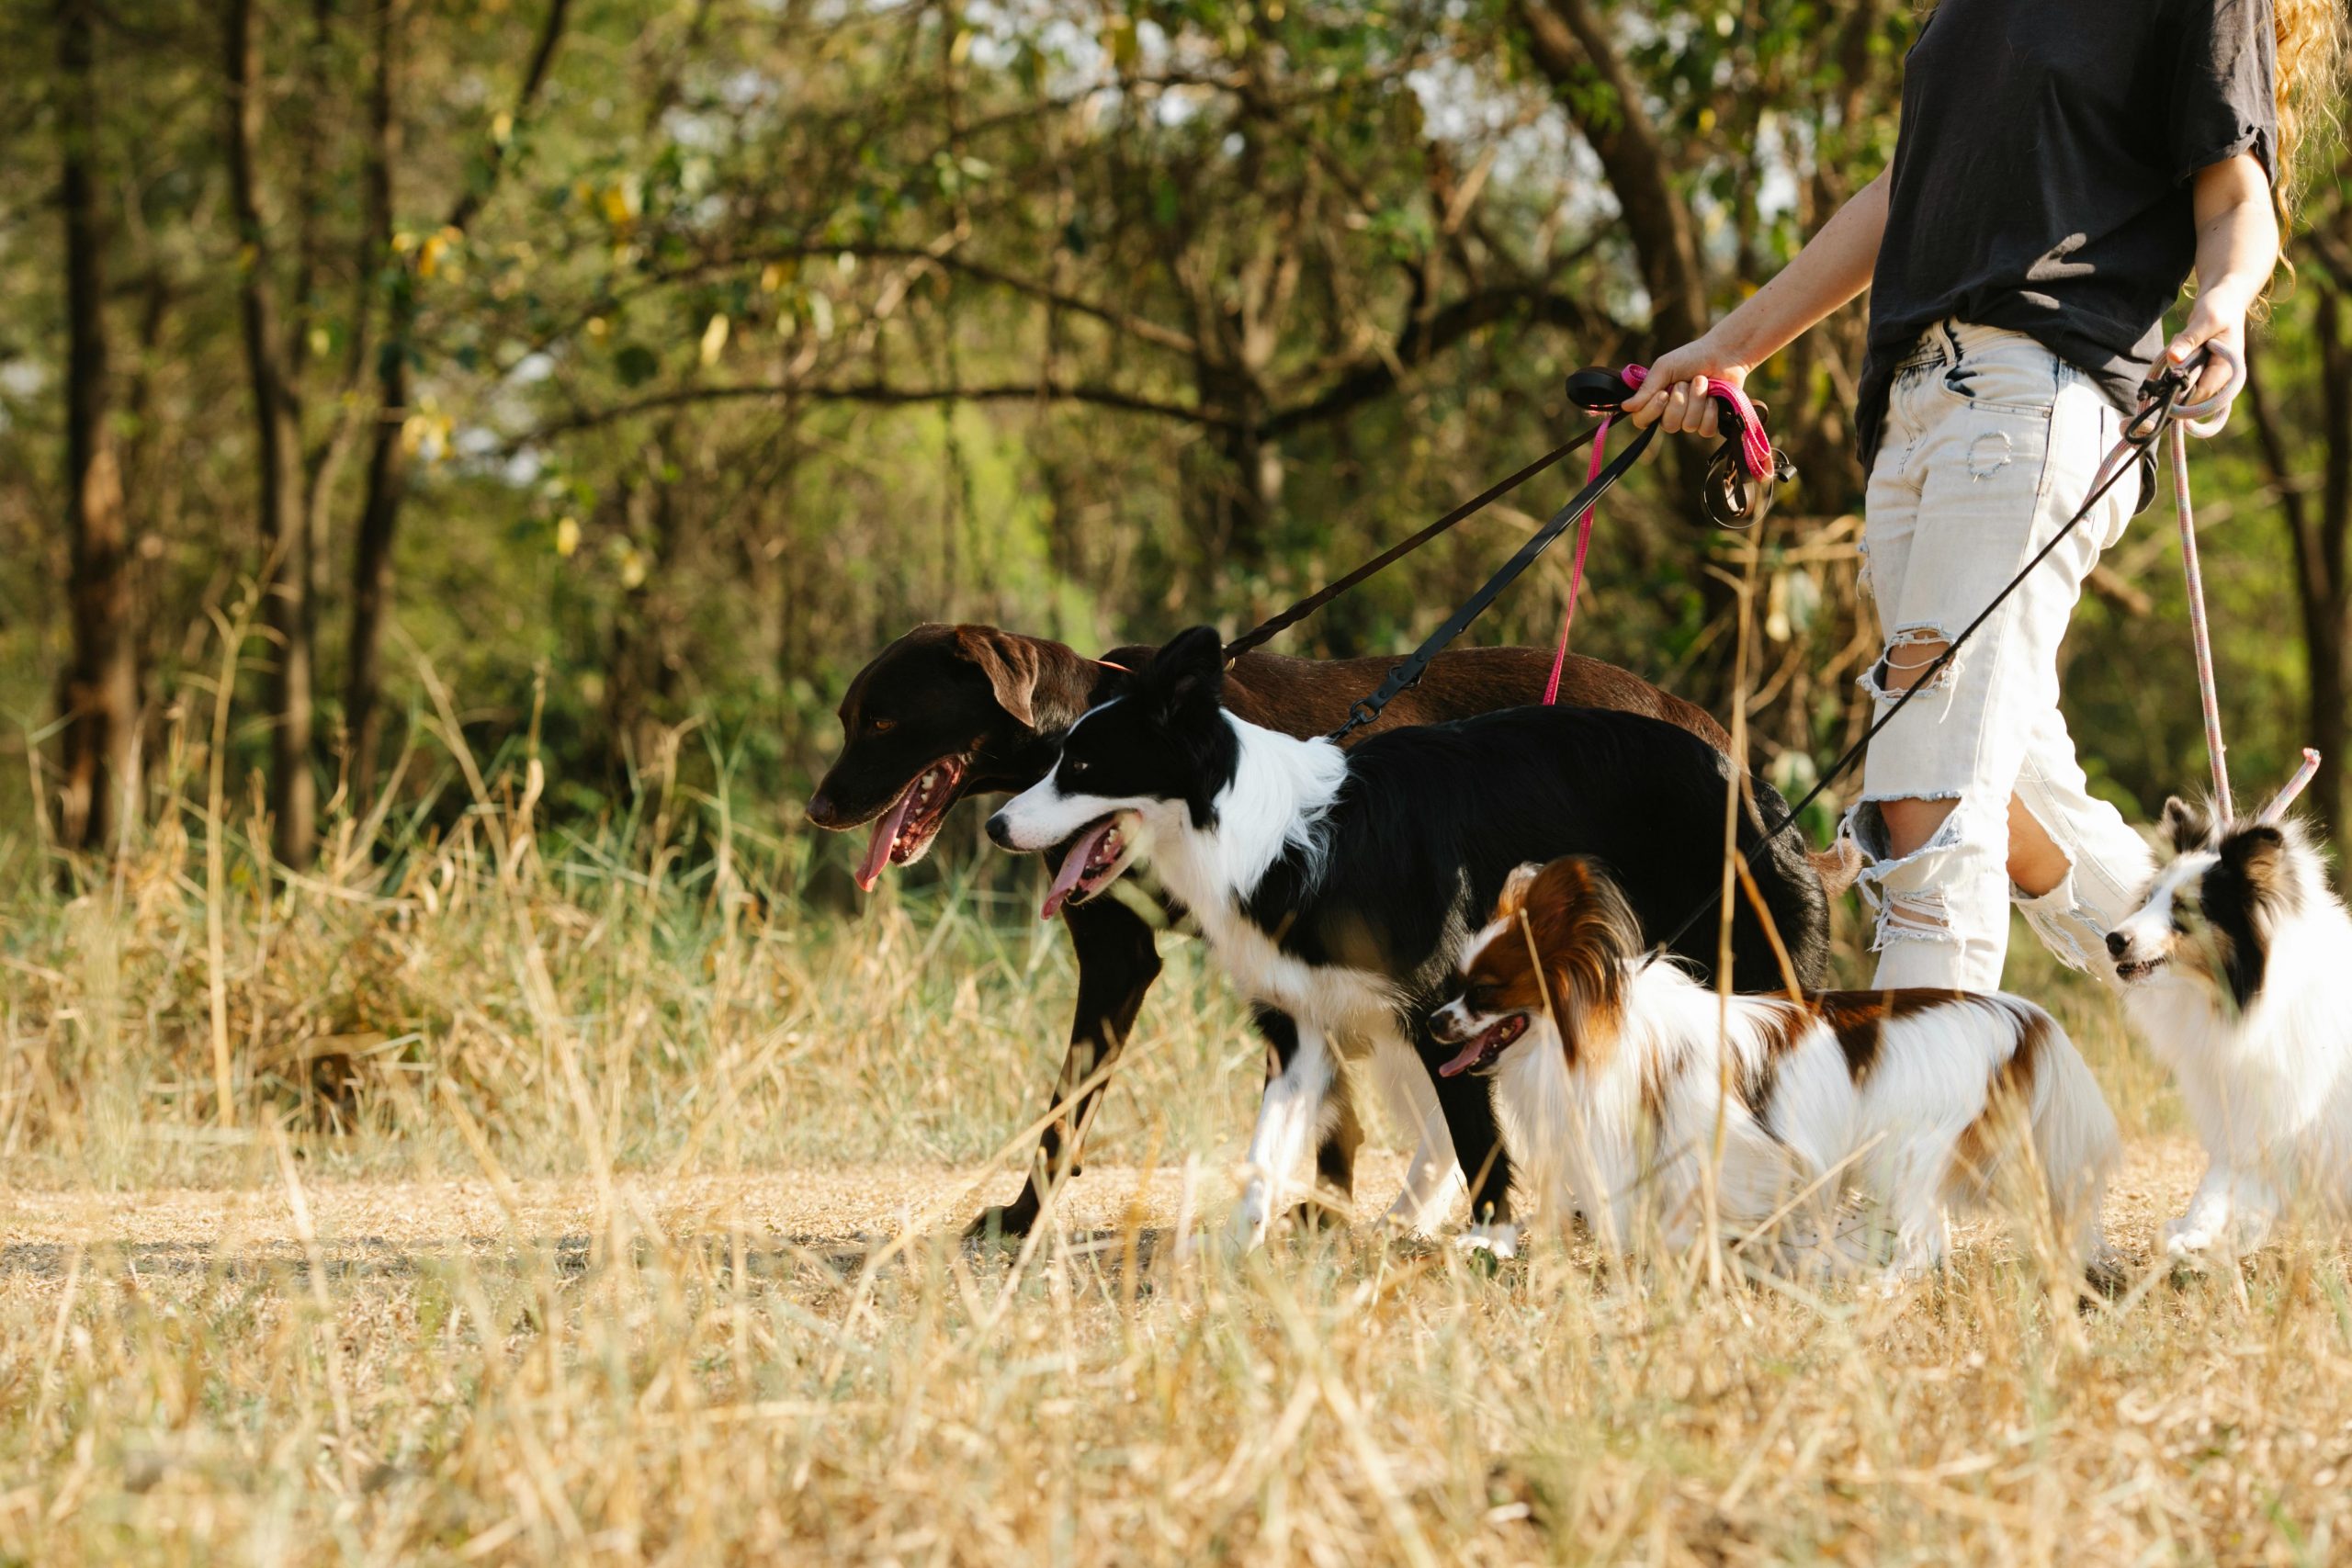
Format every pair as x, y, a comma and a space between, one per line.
1337, 887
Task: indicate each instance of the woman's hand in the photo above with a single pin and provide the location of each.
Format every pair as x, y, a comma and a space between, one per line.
1669, 398
2216, 322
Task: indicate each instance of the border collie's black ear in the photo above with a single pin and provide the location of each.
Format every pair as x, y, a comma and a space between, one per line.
2259, 853
2186, 827
1189, 668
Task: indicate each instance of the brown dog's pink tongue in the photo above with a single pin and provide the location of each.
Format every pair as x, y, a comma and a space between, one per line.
1074, 867
886, 833
1469, 1058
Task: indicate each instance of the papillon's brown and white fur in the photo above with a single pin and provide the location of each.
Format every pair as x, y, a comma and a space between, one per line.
2237, 967
1613, 1096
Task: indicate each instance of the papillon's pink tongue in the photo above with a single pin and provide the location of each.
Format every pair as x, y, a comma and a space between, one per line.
1074, 869
1468, 1059
886, 833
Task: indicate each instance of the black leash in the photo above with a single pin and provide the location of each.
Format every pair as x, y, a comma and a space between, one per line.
2162, 395
1368, 708
1266, 631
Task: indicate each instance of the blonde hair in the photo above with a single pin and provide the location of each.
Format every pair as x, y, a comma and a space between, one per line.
2311, 35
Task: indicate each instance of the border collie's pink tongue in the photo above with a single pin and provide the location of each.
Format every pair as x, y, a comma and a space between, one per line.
1074, 864
1468, 1059
886, 834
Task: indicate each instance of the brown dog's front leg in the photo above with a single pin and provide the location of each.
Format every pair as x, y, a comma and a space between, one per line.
1118, 958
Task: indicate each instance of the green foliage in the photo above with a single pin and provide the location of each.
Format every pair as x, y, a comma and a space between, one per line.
775, 327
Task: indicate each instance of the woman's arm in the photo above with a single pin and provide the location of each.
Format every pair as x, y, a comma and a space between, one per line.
1834, 267
2238, 250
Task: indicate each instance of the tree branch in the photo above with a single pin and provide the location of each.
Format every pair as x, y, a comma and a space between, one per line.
478, 191
1567, 42
882, 394
1424, 338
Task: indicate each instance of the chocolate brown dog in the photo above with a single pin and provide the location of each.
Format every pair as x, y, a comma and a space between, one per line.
948, 711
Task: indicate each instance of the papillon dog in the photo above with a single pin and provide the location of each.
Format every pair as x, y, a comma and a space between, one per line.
2237, 967
1336, 887
1841, 1128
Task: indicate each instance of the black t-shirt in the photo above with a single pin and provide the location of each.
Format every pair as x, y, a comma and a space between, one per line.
2043, 174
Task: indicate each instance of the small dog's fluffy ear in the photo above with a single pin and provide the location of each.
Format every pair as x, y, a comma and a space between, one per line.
1010, 663
1189, 668
1513, 897
2259, 853
2186, 827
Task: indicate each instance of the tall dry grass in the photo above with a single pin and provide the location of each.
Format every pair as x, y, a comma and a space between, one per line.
495, 1193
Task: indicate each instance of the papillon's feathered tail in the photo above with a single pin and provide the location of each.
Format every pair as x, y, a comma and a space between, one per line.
2075, 1142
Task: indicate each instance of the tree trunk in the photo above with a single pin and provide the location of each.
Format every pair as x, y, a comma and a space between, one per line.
100, 706
2326, 593
286, 566
371, 585
1569, 43
2317, 530
371, 573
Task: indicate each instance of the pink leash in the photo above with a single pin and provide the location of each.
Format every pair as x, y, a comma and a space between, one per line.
1755, 453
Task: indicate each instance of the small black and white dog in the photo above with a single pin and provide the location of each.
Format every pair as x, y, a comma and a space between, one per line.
2238, 968
1337, 888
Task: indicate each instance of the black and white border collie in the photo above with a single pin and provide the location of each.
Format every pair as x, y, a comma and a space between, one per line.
2237, 967
1620, 1078
1337, 887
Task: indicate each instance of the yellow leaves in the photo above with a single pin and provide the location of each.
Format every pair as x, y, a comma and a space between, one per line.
1706, 119
567, 536
438, 253
427, 431
502, 129
599, 328
714, 339
319, 342
633, 566
621, 202
776, 274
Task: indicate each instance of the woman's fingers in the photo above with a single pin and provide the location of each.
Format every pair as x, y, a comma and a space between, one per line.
2212, 339
1678, 408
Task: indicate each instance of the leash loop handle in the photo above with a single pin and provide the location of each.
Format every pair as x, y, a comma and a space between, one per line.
1745, 469
2206, 418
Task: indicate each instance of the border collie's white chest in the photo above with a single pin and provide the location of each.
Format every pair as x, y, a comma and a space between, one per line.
1333, 997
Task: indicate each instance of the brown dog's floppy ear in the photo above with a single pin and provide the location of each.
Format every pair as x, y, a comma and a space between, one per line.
2186, 827
1010, 663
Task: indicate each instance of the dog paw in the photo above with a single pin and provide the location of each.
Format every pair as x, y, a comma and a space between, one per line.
1002, 1224
1490, 1242
1246, 1232
2186, 1242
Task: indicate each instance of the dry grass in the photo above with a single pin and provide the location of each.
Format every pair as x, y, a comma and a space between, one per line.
627, 1246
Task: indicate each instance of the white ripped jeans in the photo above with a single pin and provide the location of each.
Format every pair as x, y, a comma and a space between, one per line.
1991, 443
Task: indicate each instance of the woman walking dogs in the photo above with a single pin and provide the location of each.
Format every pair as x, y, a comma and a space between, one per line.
2062, 166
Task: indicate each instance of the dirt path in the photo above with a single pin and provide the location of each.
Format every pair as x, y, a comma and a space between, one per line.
835, 1206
